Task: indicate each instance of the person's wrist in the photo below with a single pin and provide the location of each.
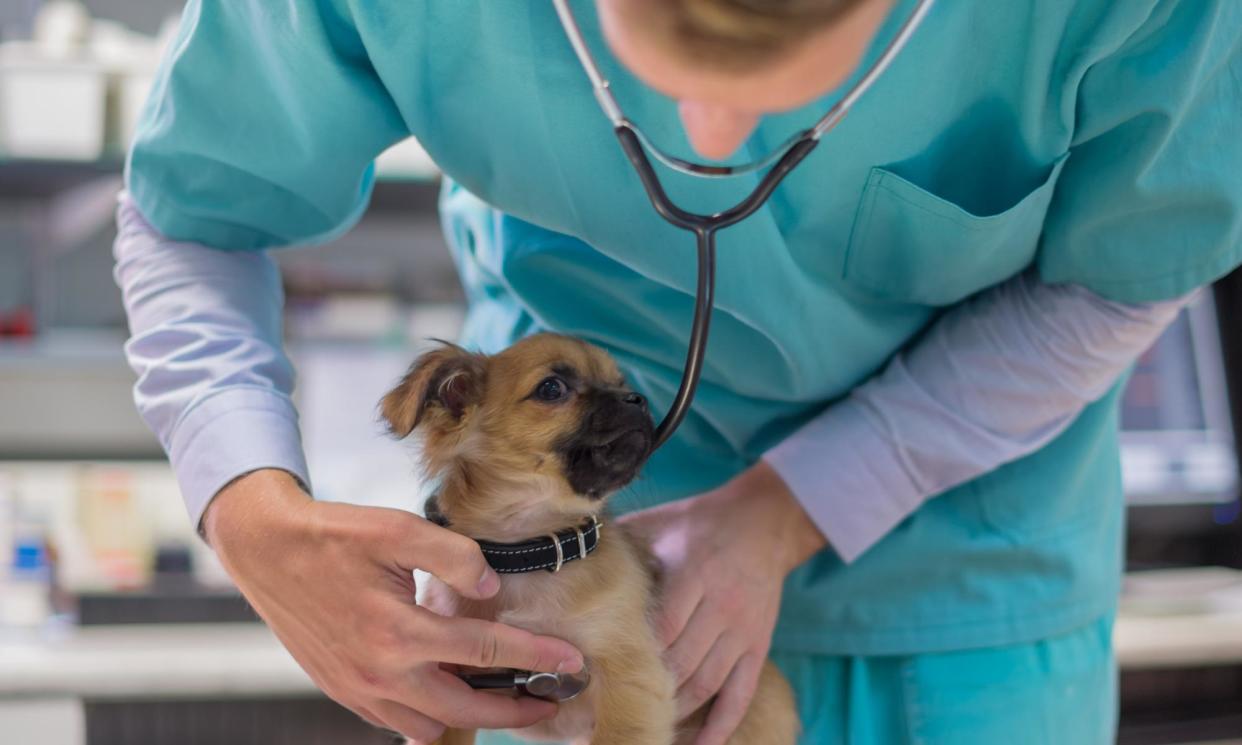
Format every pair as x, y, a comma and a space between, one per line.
779, 518
252, 505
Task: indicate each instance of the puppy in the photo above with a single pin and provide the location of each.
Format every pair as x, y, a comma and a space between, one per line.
530, 443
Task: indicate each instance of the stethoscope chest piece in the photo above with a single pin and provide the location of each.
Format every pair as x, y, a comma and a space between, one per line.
560, 687
556, 686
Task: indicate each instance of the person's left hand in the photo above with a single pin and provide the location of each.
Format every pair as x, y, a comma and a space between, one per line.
725, 555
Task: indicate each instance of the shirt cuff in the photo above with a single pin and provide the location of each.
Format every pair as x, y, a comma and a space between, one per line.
848, 477
230, 434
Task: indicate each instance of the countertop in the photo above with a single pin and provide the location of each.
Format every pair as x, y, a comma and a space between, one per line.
218, 660
246, 660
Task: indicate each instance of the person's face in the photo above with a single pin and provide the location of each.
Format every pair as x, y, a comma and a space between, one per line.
719, 109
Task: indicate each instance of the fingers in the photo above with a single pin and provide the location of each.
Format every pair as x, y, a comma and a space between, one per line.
468, 641
453, 558
405, 670
708, 679
456, 704
677, 603
687, 652
403, 719
734, 699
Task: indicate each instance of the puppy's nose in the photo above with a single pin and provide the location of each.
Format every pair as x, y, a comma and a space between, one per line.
635, 399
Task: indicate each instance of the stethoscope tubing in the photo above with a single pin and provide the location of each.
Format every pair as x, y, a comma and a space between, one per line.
704, 228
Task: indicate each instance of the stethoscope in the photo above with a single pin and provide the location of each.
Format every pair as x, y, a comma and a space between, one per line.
559, 687
782, 160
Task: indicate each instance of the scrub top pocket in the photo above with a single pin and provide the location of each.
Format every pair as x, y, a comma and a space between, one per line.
908, 245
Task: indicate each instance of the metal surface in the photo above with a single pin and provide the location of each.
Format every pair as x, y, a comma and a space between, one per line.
551, 686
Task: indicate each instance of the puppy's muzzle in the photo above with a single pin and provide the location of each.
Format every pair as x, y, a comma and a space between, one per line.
612, 444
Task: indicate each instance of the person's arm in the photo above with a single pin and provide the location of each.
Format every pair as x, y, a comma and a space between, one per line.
1148, 207
214, 383
261, 131
993, 380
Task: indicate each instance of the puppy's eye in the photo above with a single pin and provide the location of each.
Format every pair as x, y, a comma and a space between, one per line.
551, 389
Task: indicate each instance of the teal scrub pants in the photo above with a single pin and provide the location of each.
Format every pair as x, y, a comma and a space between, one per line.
1057, 691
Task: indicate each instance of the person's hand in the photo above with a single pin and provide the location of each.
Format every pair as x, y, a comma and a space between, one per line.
725, 555
335, 584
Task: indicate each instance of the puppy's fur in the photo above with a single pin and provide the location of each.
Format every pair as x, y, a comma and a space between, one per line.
532, 441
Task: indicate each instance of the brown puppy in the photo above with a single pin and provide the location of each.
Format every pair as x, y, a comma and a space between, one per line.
531, 442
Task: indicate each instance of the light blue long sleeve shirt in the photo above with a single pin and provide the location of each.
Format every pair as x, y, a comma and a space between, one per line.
994, 379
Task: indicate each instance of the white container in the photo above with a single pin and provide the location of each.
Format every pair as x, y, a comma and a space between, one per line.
52, 108
25, 596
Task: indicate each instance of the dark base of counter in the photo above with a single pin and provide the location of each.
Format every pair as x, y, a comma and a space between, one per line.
1178, 706
251, 722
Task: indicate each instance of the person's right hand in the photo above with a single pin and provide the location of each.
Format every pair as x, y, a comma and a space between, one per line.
335, 584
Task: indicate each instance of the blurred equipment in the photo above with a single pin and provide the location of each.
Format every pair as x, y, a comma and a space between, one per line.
104, 543
25, 567
1178, 638
1179, 450
1178, 445
74, 89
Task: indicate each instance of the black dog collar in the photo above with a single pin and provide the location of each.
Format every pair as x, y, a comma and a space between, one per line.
549, 552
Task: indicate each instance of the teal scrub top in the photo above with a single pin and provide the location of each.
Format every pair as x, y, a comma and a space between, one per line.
1098, 141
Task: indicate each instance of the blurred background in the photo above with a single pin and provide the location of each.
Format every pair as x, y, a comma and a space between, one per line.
116, 623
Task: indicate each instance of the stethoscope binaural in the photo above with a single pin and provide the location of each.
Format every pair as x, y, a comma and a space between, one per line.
782, 160
556, 687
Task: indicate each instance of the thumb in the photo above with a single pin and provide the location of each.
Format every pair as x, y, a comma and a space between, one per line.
454, 559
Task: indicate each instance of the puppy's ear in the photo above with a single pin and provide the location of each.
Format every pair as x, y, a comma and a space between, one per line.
449, 378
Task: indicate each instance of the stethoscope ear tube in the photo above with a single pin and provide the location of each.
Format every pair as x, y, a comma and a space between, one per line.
704, 228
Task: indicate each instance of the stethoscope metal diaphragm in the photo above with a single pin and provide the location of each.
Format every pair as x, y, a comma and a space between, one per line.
559, 687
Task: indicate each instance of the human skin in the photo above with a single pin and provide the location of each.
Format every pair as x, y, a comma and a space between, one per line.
335, 584
719, 109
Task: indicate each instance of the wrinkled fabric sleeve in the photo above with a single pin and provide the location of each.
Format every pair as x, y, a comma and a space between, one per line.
1147, 209
261, 131
993, 380
213, 383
